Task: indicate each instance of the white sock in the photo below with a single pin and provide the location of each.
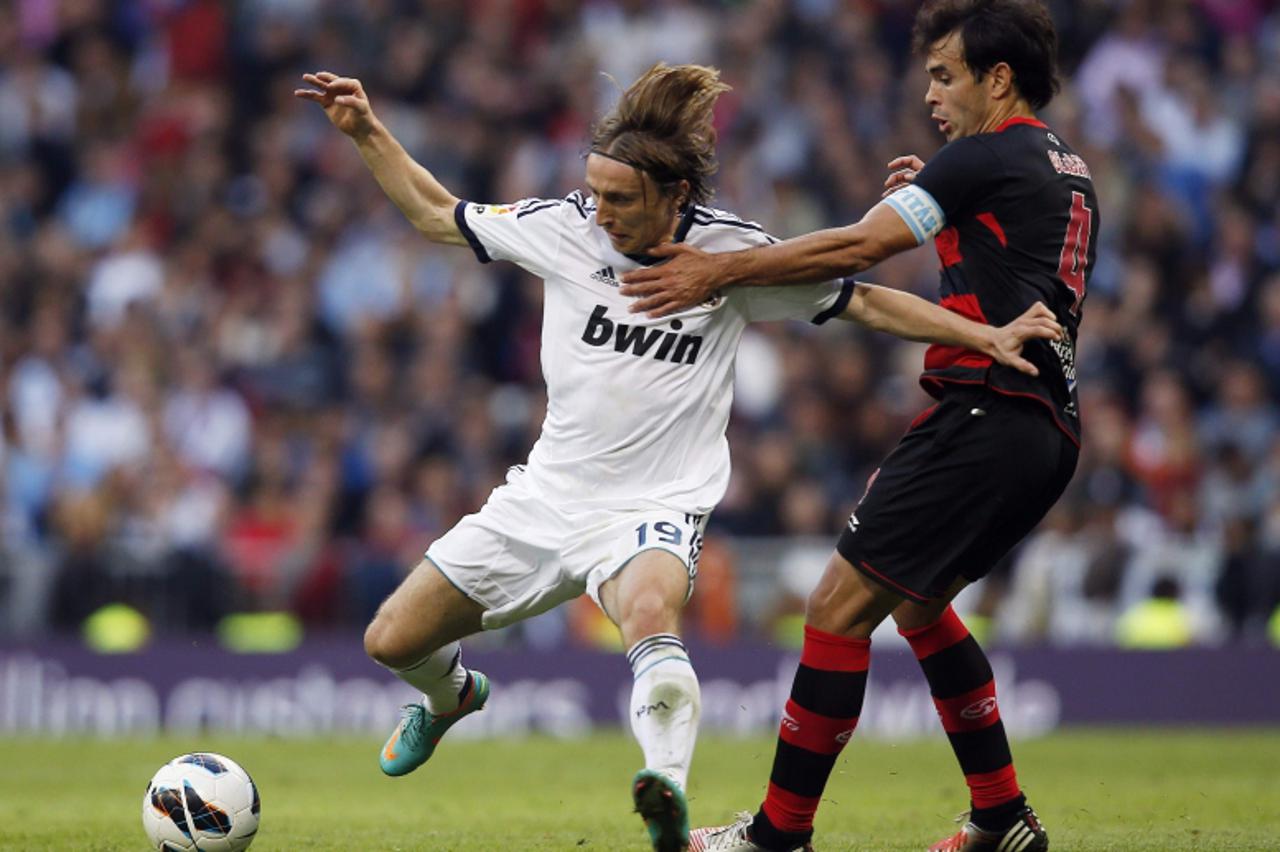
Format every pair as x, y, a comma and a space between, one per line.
665, 704
440, 675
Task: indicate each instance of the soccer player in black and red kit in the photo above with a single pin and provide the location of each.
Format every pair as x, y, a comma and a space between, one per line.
1013, 216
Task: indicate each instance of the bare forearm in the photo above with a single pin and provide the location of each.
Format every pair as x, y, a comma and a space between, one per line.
823, 255
910, 317
421, 198
819, 256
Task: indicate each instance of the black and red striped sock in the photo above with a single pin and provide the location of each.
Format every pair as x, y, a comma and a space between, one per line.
826, 700
964, 692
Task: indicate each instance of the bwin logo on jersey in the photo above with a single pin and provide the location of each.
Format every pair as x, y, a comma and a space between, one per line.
639, 339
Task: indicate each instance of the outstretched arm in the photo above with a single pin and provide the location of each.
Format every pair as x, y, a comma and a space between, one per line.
691, 275
420, 197
913, 318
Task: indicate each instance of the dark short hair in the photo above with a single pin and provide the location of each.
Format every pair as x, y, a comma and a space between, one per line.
1017, 32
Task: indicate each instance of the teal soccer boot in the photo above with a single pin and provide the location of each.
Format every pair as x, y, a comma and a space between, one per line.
414, 740
661, 804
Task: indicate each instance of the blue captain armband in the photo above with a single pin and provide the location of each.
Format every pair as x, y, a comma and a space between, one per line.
919, 210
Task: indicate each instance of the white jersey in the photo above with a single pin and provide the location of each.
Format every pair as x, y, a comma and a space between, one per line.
637, 407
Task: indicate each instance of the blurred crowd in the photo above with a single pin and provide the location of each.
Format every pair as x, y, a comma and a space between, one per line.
232, 378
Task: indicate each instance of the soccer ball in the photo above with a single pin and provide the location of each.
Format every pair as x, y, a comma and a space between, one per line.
201, 802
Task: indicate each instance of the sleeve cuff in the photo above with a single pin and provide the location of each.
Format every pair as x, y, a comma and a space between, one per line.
838, 306
460, 217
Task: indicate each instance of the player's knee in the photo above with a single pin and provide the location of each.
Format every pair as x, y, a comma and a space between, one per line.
374, 637
912, 616
382, 644
649, 613
825, 610
846, 603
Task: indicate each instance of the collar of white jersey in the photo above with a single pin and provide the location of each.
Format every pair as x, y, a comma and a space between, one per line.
682, 231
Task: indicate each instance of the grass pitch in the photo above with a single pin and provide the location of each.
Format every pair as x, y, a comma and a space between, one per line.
1117, 790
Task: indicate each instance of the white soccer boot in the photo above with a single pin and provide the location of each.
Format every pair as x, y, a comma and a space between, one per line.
735, 837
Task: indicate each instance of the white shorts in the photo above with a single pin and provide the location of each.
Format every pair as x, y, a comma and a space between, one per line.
522, 555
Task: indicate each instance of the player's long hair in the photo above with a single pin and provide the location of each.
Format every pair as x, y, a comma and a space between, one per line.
662, 126
1019, 32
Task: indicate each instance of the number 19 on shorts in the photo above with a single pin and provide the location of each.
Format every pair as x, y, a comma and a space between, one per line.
666, 532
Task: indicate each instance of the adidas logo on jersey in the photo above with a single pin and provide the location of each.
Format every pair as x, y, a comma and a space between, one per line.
605, 276
639, 339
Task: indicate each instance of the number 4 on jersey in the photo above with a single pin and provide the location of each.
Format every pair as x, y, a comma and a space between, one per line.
1075, 249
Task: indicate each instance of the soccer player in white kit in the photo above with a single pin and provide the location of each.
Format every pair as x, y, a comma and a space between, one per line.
632, 456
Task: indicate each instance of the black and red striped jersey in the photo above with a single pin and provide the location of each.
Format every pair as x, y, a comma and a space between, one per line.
1014, 219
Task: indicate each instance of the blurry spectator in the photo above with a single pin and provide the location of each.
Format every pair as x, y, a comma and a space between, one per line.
98, 207
85, 576
208, 425
1156, 623
1065, 583
107, 426
1177, 551
1164, 450
1129, 56
36, 392
712, 614
1198, 139
389, 542
799, 568
1242, 417
38, 100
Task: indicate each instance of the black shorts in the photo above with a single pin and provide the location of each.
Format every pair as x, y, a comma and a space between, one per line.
968, 481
